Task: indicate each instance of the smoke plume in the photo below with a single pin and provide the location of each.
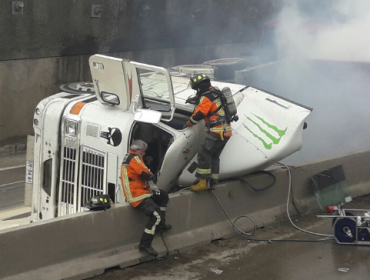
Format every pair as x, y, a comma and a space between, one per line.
324, 47
333, 30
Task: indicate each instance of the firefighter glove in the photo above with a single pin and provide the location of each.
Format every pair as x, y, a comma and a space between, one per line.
187, 124
156, 191
192, 100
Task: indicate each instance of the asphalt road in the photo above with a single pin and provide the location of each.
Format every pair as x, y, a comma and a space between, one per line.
239, 258
11, 195
12, 174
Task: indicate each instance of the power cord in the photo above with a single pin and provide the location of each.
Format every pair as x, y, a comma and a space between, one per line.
287, 208
236, 229
260, 172
248, 234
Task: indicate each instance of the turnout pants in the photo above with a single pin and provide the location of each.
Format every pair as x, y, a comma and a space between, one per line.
209, 157
155, 208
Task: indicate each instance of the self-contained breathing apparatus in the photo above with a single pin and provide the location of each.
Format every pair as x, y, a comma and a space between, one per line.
228, 104
201, 83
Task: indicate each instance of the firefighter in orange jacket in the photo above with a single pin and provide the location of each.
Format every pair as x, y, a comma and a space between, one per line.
209, 108
135, 176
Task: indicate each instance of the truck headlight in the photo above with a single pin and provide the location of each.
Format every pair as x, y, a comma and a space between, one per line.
71, 128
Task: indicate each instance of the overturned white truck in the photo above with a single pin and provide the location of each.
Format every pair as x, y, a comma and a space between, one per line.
81, 139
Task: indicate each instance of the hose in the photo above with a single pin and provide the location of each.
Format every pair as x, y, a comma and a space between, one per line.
248, 234
236, 229
287, 208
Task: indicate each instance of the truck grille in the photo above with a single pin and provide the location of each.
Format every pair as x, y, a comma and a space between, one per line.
68, 182
92, 179
82, 176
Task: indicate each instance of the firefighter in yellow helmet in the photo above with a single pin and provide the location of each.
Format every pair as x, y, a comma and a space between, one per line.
135, 176
208, 107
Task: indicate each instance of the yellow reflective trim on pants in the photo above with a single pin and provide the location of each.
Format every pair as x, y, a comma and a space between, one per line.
215, 176
163, 209
152, 230
203, 171
148, 231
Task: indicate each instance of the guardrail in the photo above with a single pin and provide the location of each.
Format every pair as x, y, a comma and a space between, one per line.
85, 244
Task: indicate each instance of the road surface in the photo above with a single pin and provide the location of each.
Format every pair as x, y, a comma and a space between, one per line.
12, 174
239, 258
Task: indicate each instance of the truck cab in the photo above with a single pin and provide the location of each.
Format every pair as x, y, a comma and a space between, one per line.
81, 139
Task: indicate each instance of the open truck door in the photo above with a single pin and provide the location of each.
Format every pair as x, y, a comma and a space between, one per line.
145, 89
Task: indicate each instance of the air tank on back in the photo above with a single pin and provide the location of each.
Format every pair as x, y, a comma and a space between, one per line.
230, 103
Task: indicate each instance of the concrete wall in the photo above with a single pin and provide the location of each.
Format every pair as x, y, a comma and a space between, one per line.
23, 83
85, 244
46, 28
48, 42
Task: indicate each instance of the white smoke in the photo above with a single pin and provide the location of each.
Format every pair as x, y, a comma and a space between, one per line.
327, 42
330, 30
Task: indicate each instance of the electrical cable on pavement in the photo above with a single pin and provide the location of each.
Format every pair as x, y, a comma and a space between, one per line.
165, 244
248, 234
260, 172
287, 208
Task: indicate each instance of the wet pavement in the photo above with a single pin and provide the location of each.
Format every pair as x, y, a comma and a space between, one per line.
238, 258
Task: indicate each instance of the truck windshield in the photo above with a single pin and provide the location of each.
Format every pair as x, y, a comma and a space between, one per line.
154, 86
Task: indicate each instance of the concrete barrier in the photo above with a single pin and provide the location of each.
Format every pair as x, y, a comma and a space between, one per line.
356, 169
85, 244
13, 149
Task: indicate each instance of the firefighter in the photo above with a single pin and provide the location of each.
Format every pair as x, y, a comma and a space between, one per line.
208, 107
135, 176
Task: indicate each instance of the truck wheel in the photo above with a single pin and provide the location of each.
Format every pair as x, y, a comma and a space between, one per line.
78, 88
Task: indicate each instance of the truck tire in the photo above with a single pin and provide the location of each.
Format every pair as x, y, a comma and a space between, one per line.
78, 88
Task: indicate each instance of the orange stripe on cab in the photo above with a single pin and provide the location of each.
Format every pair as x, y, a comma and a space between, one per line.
76, 109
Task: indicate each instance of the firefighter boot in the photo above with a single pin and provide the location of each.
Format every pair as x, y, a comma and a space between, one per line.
201, 186
146, 245
212, 184
164, 227
148, 249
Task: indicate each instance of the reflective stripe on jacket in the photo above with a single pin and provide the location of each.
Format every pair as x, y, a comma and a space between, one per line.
134, 187
210, 109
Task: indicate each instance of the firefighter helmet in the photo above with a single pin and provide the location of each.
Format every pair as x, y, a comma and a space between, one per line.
99, 202
199, 80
